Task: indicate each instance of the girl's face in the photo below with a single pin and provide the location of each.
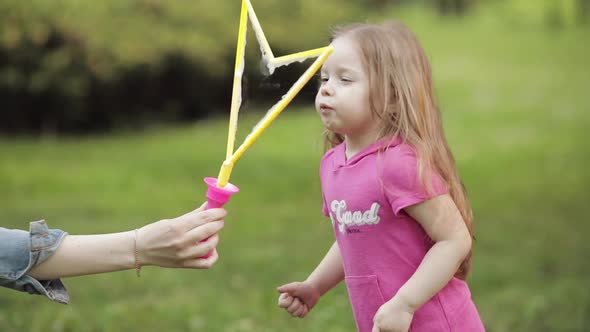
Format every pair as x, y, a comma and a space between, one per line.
343, 97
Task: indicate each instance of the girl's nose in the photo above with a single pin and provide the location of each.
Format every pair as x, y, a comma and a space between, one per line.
326, 89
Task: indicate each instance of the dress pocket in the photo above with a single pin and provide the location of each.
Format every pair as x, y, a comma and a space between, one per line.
366, 298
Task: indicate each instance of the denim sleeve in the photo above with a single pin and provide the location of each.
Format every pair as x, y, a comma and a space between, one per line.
20, 251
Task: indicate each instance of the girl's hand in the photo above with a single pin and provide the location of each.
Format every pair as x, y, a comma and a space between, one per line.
393, 316
176, 242
298, 298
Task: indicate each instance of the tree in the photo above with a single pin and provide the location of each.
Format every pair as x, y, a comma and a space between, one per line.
453, 7
584, 10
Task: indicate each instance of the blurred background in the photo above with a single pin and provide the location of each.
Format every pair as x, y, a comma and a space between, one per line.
112, 112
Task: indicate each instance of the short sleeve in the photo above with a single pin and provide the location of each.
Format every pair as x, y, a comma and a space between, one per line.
20, 251
402, 184
325, 210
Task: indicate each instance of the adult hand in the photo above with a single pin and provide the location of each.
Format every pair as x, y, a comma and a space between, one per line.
176, 242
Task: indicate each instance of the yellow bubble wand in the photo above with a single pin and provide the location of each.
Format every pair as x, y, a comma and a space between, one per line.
219, 188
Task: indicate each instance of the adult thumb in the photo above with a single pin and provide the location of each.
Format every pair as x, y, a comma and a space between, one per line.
194, 212
202, 207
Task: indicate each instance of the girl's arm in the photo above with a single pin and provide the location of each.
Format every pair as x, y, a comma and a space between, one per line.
298, 298
166, 243
442, 221
329, 272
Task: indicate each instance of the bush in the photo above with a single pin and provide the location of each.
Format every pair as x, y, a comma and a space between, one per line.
94, 66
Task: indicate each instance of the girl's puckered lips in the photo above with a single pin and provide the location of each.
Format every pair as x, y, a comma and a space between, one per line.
325, 108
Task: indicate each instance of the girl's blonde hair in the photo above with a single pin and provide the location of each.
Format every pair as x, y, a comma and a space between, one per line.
402, 97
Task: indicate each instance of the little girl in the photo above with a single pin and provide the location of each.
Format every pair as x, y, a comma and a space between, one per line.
401, 218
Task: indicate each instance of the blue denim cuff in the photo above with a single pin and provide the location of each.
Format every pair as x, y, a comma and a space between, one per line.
21, 251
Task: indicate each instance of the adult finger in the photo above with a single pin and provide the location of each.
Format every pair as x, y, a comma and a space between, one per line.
202, 263
197, 218
201, 233
199, 209
199, 249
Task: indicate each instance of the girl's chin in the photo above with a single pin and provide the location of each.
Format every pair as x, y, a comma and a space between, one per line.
333, 129
329, 126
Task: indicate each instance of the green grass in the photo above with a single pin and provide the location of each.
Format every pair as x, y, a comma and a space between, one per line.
516, 111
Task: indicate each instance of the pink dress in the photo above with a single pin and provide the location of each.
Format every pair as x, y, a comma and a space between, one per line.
381, 246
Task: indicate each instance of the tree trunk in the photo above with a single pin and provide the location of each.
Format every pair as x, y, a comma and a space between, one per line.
584, 10
381, 4
453, 7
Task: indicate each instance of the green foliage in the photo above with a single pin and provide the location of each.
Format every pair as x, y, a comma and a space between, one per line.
72, 66
554, 14
123, 33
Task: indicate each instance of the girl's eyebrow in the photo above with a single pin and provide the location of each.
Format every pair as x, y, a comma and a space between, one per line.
345, 68
341, 69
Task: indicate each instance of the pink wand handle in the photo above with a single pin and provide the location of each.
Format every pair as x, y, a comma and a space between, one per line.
217, 197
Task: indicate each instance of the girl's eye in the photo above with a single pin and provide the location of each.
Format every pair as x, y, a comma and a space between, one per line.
323, 79
346, 80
